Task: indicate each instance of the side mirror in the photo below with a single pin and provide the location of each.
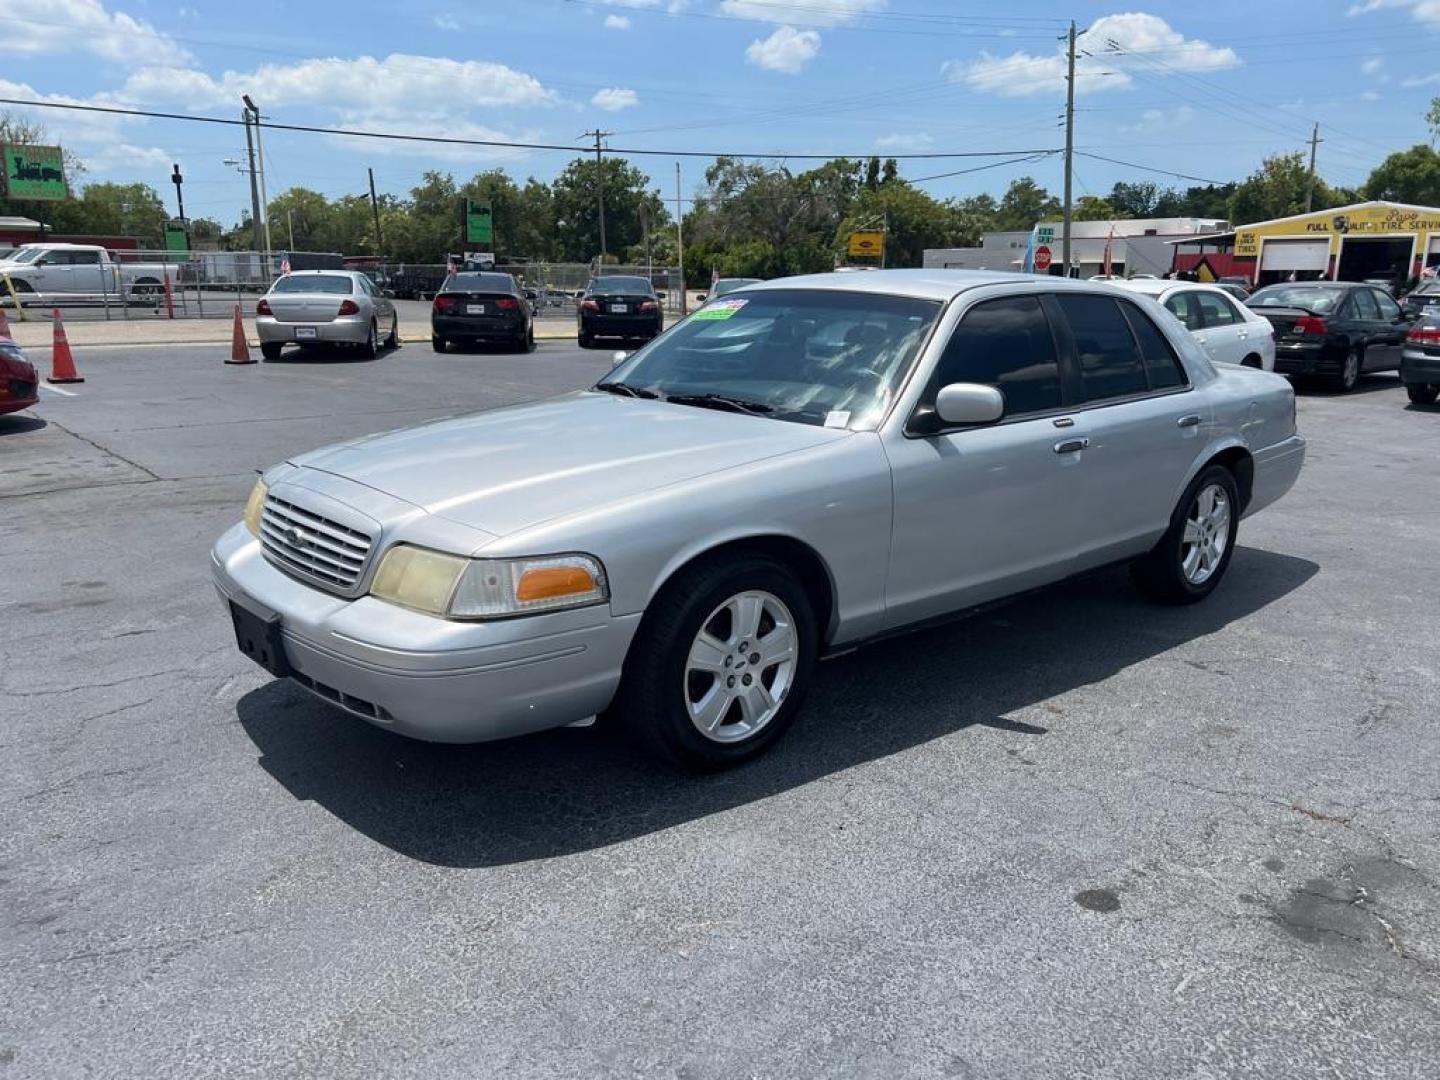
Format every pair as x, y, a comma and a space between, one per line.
969, 403
618, 357
700, 299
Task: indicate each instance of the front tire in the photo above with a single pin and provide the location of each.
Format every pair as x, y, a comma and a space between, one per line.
721, 663
1188, 562
1422, 393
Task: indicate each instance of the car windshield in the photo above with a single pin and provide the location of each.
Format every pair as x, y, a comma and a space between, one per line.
1314, 298
325, 284
480, 283
27, 254
826, 357
621, 286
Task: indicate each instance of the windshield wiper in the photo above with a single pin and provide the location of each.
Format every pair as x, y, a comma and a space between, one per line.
721, 401
625, 390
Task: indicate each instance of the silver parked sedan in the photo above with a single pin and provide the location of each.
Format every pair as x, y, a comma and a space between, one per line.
790, 471
325, 307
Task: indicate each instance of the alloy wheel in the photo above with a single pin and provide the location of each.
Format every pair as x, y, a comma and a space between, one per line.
1206, 535
740, 666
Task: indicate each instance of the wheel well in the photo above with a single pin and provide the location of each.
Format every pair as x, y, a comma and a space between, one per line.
1253, 360
799, 556
1238, 460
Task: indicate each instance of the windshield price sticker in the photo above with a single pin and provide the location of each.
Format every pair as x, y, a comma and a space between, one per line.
720, 309
837, 418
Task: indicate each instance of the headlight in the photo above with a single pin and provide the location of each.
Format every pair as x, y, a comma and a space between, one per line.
458, 588
254, 505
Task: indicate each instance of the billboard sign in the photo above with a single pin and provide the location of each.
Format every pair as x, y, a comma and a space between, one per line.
33, 172
870, 244
177, 237
479, 227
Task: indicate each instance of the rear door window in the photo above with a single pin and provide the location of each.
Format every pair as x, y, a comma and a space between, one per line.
1365, 306
1110, 364
1389, 309
1006, 344
1162, 366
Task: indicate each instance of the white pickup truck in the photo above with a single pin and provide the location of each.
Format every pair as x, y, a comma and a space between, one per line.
38, 271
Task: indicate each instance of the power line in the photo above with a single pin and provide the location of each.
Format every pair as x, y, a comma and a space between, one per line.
1148, 168
982, 168
359, 133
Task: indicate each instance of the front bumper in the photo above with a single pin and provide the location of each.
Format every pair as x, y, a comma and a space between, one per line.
1416, 367
342, 330
425, 677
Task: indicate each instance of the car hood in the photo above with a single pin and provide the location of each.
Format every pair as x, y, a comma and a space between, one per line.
513, 468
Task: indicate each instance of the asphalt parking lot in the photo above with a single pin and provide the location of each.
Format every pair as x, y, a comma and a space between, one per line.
1075, 836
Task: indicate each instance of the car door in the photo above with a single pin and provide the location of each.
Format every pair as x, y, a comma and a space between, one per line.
1391, 334
85, 271
56, 273
986, 510
1370, 333
1144, 422
1226, 332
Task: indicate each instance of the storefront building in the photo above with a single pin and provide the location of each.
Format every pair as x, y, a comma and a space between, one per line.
1372, 241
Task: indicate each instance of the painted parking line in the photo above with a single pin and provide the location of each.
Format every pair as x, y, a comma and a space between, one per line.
57, 390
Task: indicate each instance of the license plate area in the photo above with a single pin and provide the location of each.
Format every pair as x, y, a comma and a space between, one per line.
260, 639
620, 309
306, 333
475, 309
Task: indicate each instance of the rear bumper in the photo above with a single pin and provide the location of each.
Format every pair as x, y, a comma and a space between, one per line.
1276, 469
344, 330
478, 328
1419, 368
623, 326
1304, 359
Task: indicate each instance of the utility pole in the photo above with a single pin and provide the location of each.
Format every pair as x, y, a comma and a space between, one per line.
254, 190
597, 135
680, 237
1069, 149
290, 224
264, 195
178, 180
1315, 141
375, 210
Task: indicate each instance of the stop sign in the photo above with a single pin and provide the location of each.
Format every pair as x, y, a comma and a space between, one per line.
1042, 258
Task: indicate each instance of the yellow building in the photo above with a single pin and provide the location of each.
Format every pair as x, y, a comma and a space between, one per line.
1371, 240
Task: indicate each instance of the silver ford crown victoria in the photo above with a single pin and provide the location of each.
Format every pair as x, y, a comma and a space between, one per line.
793, 469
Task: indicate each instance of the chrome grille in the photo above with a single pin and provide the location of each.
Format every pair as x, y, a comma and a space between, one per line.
307, 545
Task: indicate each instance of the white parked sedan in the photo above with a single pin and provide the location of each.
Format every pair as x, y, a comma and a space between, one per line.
1228, 331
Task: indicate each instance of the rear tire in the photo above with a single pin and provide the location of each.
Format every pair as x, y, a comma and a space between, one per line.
1188, 562
270, 350
393, 341
586, 341
684, 692
1349, 373
439, 344
1422, 393
371, 347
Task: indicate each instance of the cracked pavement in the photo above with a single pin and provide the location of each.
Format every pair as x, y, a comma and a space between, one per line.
1074, 836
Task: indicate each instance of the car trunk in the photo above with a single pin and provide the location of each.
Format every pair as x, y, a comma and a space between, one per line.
305, 307
480, 307
622, 303
1283, 319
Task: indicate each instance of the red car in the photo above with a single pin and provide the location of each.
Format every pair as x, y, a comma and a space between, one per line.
19, 385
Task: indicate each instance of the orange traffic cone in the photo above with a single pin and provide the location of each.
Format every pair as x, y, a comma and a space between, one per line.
62, 364
239, 350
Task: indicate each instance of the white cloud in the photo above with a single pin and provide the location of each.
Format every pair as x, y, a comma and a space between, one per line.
1109, 39
1370, 95
438, 122
1421, 80
97, 139
418, 81
800, 12
1425, 11
903, 140
615, 98
787, 50
616, 22
1160, 120
55, 27
1373, 65
446, 22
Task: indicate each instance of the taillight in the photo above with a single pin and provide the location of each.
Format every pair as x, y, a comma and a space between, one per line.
649, 305
348, 307
1310, 324
442, 303
589, 305
1424, 335
263, 307
505, 303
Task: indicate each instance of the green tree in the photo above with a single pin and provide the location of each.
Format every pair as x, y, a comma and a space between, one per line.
574, 199
1432, 119
971, 218
1093, 208
307, 215
1025, 202
1410, 176
1138, 200
1278, 189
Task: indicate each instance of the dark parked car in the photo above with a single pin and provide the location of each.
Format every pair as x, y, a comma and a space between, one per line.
1424, 295
19, 385
1334, 329
619, 307
484, 306
1420, 362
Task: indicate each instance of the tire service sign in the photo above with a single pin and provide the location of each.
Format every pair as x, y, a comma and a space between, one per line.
33, 172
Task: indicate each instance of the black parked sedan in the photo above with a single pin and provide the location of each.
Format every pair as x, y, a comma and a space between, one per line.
619, 307
1335, 329
481, 306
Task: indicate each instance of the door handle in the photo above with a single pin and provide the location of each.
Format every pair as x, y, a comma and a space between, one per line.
1069, 446
1188, 421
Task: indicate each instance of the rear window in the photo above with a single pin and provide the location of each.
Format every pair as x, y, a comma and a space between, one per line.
325, 284
1318, 299
621, 286
1162, 366
480, 283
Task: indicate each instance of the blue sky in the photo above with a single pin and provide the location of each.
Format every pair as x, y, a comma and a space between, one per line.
1204, 90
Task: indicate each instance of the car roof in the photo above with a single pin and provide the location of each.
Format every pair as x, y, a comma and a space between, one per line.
925, 284
313, 273
1159, 287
